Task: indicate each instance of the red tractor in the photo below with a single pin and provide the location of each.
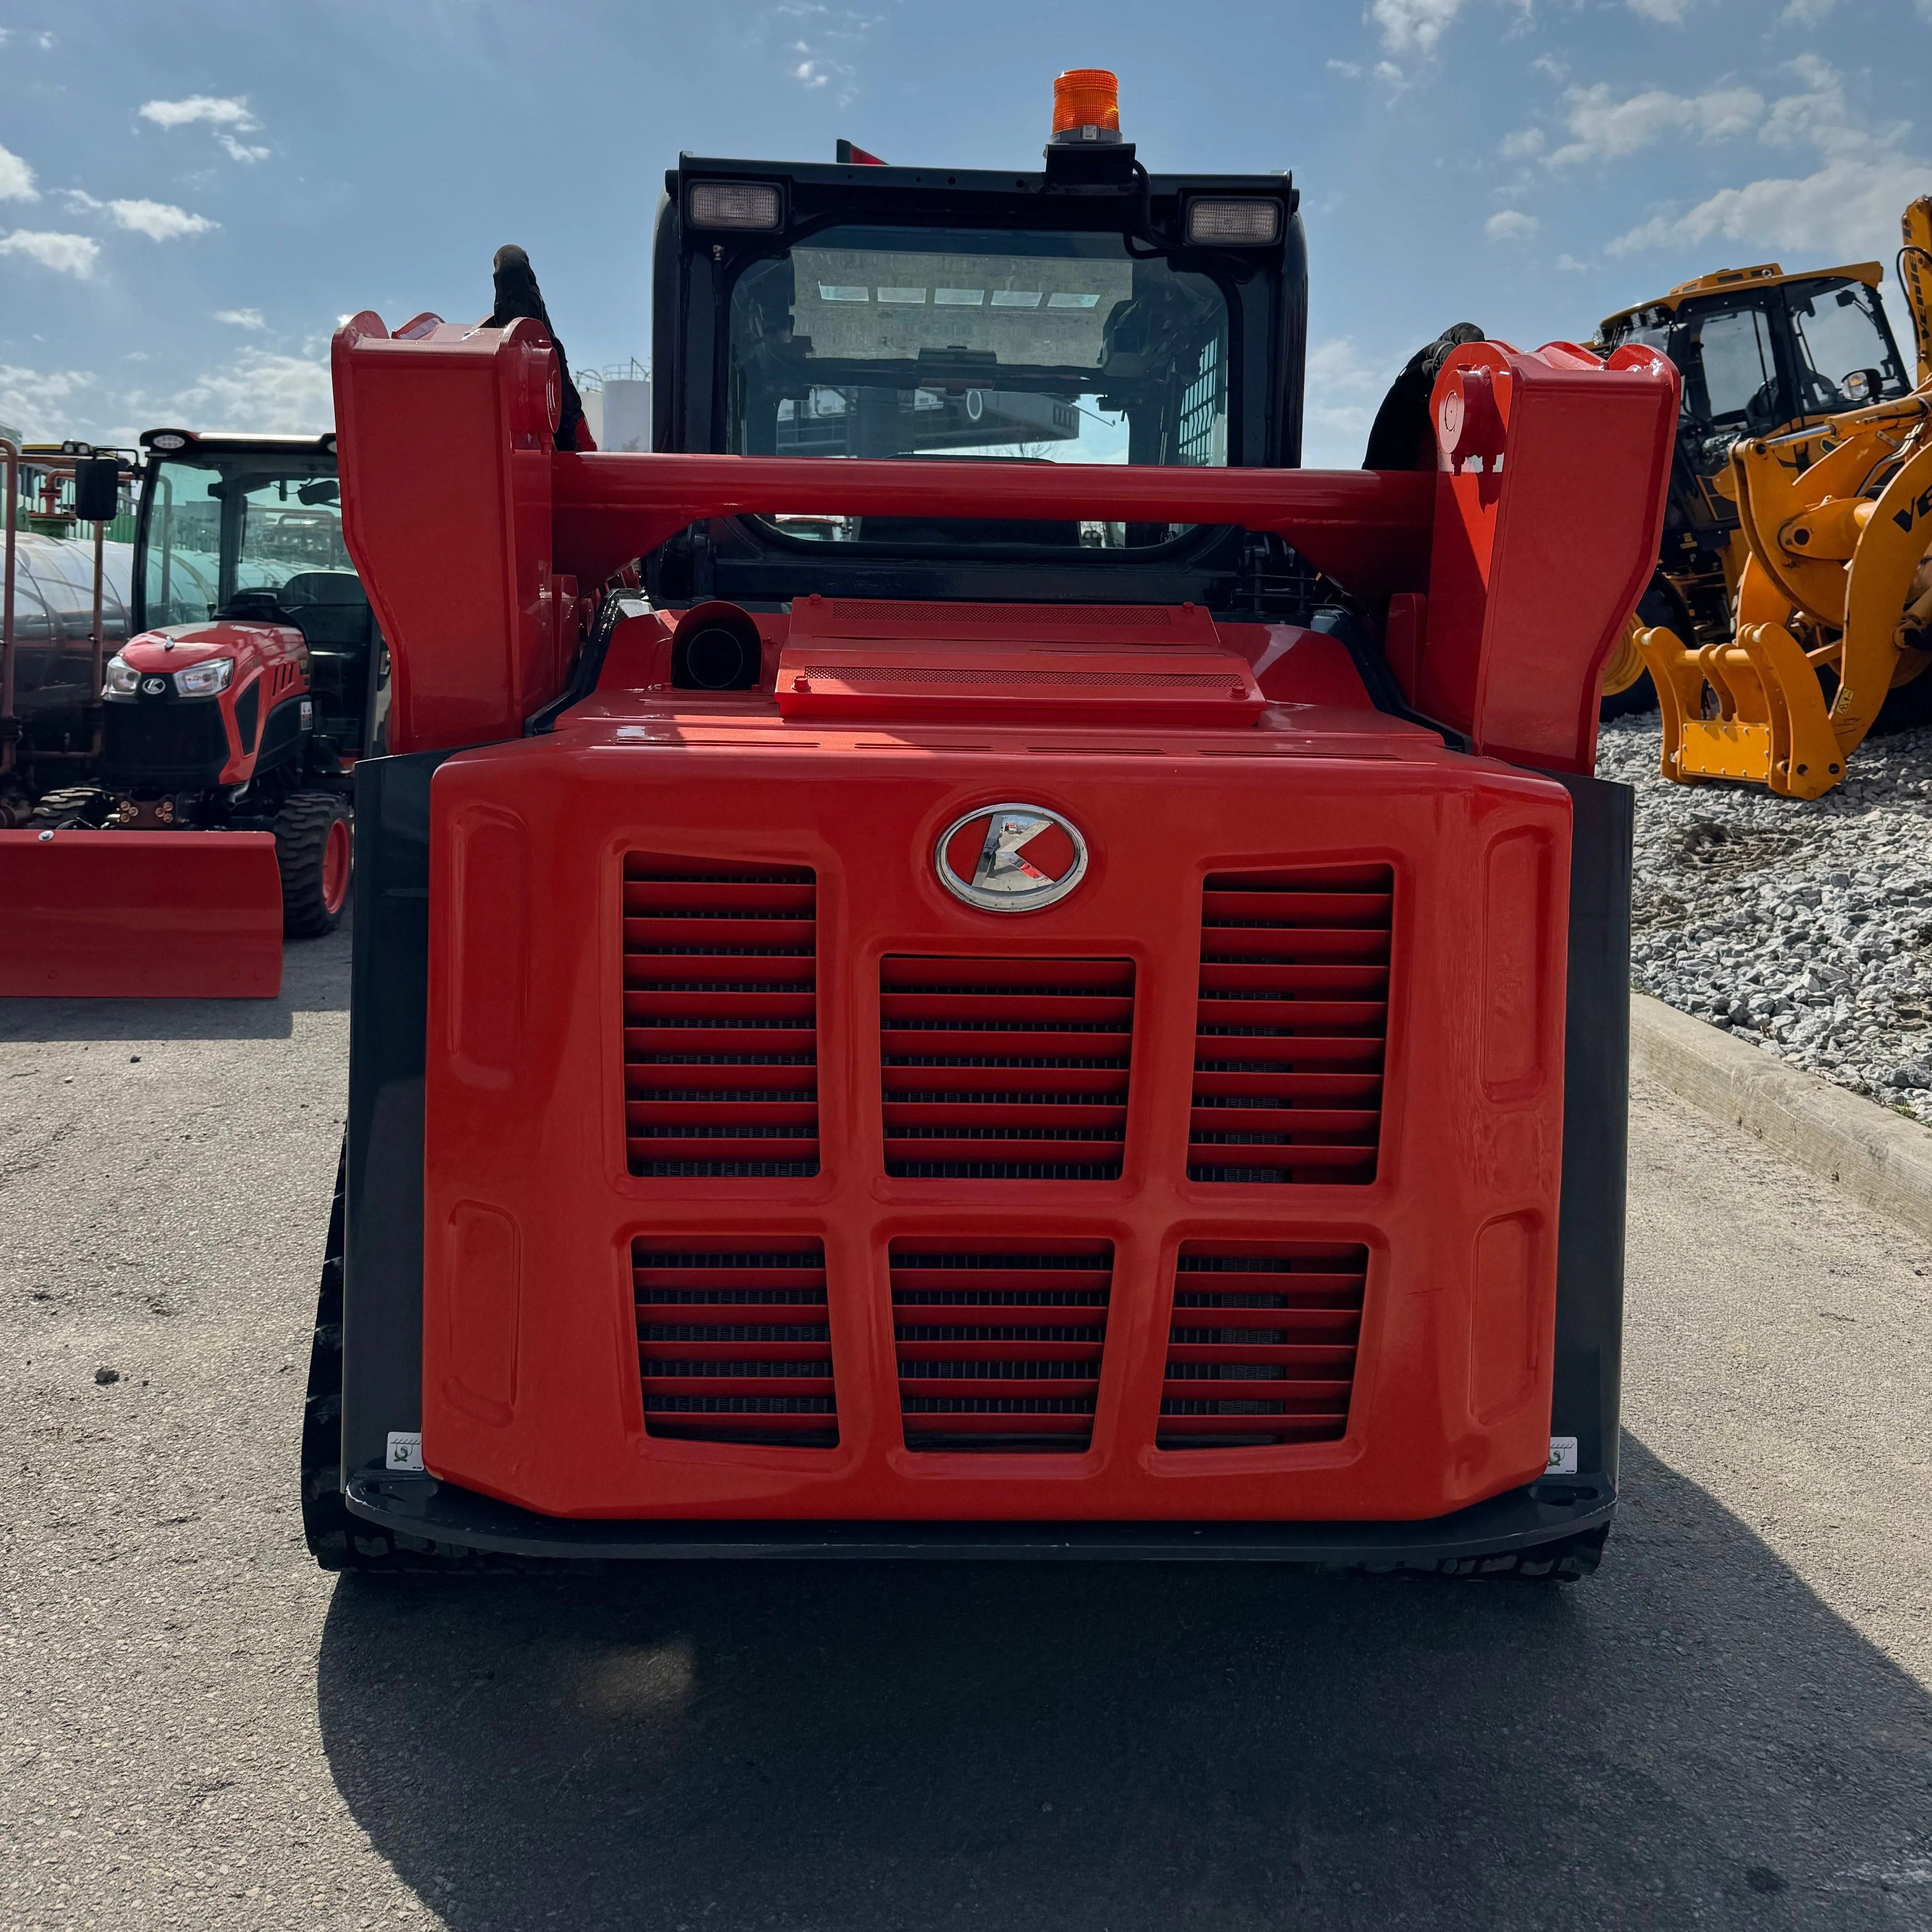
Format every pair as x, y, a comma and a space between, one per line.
999, 1005
250, 681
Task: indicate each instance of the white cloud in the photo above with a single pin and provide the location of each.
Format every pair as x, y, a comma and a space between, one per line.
1821, 117
1808, 13
16, 179
1417, 26
79, 199
1342, 388
1510, 224
239, 151
1522, 144
287, 395
159, 221
1604, 129
35, 401
230, 111
1348, 70
1570, 265
65, 254
1414, 26
240, 318
1849, 208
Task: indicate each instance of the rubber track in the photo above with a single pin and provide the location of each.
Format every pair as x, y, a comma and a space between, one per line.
337, 1540
301, 837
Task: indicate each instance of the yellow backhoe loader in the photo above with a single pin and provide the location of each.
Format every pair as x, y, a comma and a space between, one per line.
1793, 596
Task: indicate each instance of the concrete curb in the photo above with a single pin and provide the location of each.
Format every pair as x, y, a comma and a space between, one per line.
1878, 1156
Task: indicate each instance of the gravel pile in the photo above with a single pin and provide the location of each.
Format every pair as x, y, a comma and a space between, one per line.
1806, 927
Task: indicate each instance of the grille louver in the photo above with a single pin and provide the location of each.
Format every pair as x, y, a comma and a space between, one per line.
720, 1019
1007, 1069
999, 1344
1292, 1027
734, 1344
1262, 1348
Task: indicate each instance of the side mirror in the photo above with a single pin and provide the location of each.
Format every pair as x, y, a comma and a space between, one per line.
1862, 385
96, 489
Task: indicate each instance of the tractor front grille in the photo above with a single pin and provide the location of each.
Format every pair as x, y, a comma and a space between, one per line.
734, 1341
721, 1060
1261, 1350
1006, 1069
999, 1342
1291, 1026
164, 740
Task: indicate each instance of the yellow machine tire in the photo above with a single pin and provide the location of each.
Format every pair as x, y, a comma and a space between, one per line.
1627, 690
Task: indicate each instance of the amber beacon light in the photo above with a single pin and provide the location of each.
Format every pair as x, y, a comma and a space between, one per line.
1086, 105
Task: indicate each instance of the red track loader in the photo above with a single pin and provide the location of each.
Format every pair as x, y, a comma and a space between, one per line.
217, 819
1001, 1005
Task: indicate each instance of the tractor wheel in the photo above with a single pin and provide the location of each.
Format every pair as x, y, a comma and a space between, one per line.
314, 850
77, 807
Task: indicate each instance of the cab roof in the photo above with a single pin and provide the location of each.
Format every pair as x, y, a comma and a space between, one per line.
1762, 275
236, 442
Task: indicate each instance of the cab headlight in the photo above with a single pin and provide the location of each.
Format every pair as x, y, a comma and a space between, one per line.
204, 680
123, 679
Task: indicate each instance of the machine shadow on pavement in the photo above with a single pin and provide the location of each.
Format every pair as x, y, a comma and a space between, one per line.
315, 980
1692, 1736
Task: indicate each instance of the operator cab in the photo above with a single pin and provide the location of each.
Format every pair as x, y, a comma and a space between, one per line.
1760, 353
1089, 312
249, 528
1760, 350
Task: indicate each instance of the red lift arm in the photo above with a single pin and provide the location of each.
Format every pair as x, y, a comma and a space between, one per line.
1509, 575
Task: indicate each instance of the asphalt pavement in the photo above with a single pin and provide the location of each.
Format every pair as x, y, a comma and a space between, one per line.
1730, 1725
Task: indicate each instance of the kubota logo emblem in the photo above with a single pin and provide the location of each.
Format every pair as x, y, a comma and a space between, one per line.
154, 686
1010, 858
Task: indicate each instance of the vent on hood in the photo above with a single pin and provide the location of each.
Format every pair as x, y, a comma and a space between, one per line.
720, 1019
1013, 1070
734, 1341
999, 1342
1291, 1026
1262, 1348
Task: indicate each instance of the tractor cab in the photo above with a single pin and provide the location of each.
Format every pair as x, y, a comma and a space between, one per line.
1088, 312
236, 532
1761, 352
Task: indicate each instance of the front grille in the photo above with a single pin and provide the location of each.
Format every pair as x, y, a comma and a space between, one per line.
721, 1060
1262, 1348
999, 1343
1291, 1026
734, 1343
164, 740
1006, 1069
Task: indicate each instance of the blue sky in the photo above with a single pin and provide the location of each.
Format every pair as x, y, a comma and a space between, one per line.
190, 196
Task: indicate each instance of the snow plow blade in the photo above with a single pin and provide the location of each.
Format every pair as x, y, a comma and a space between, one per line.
140, 915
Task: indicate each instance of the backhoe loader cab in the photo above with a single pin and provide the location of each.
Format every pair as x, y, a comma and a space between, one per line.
1761, 352
1051, 983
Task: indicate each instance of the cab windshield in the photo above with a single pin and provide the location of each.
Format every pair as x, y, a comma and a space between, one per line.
1846, 358
1050, 347
216, 527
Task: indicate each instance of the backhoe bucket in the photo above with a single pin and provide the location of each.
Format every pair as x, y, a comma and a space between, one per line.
135, 915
